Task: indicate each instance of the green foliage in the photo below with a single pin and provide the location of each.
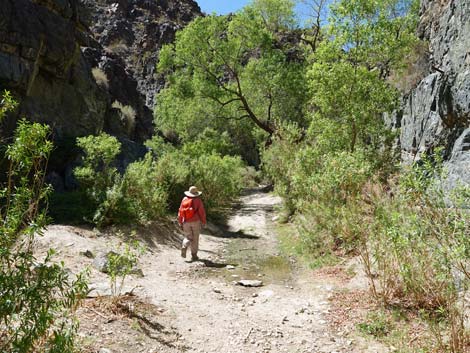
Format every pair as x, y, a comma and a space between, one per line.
209, 142
98, 176
149, 187
117, 198
276, 15
338, 183
354, 97
280, 164
321, 171
377, 325
348, 76
240, 74
121, 264
144, 199
100, 153
219, 177
7, 104
37, 296
376, 33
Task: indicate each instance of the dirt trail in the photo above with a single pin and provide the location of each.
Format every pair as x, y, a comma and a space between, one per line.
202, 309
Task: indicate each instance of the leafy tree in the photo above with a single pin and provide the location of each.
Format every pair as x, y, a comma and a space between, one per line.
348, 77
323, 170
316, 12
234, 73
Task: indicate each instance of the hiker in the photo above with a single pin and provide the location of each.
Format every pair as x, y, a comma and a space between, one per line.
191, 217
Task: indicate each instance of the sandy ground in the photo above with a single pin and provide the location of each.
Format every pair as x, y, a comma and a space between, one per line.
198, 306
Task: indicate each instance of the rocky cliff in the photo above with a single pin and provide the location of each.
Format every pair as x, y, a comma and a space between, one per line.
437, 112
86, 66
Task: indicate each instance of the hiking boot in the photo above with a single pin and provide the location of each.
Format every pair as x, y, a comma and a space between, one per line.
194, 258
183, 252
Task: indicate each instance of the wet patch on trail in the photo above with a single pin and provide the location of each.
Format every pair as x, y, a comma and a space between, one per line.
252, 250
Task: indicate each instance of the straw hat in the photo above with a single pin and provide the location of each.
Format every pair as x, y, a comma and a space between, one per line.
193, 192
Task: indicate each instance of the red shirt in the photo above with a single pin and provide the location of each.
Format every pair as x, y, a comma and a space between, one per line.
200, 214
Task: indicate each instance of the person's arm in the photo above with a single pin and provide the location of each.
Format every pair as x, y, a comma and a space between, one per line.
201, 211
180, 215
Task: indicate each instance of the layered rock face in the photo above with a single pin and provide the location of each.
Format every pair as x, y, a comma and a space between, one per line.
86, 66
437, 112
42, 63
134, 29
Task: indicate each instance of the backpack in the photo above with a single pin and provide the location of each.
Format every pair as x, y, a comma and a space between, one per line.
186, 209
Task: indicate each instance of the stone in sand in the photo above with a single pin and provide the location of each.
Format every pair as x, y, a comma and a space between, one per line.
250, 283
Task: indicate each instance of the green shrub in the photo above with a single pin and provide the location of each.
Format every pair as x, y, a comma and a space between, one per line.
144, 198
377, 325
220, 178
150, 187
209, 142
321, 183
37, 297
281, 163
7, 104
121, 264
99, 177
174, 174
331, 216
133, 197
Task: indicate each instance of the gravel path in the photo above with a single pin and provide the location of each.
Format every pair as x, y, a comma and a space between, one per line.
202, 301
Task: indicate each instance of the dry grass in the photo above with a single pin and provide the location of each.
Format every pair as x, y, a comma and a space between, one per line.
128, 115
132, 322
404, 330
100, 77
117, 47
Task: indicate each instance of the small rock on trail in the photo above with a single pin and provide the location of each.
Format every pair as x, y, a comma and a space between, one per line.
250, 283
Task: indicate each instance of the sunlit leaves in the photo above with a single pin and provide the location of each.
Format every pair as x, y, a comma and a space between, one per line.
233, 73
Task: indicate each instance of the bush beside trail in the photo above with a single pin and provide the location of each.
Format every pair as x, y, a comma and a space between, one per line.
38, 296
153, 187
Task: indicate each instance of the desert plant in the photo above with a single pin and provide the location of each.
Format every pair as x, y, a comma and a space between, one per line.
220, 178
121, 264
135, 196
377, 324
37, 296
